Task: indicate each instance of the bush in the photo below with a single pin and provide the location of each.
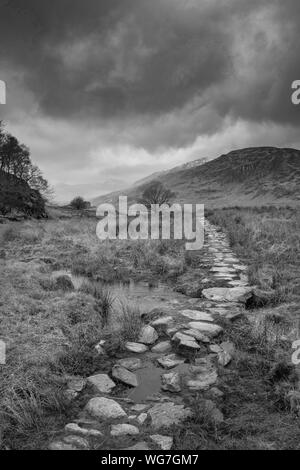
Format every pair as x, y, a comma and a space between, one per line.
79, 203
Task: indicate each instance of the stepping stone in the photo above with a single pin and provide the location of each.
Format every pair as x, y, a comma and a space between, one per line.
148, 335
130, 363
205, 375
229, 294
164, 415
171, 382
105, 408
125, 376
142, 418
170, 361
196, 315
118, 430
73, 428
162, 324
139, 446
136, 347
222, 269
163, 442
139, 408
186, 341
197, 335
77, 441
102, 383
210, 329
163, 347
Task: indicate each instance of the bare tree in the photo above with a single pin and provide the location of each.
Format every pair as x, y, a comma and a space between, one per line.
156, 193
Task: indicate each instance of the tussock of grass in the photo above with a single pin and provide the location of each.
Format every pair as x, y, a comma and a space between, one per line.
104, 299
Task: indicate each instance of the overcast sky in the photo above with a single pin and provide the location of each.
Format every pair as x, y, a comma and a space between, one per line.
105, 92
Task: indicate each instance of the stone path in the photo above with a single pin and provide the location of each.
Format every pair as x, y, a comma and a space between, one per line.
182, 350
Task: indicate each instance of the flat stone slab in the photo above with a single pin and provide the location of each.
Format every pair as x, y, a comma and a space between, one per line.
105, 408
168, 414
171, 382
163, 442
136, 347
163, 321
209, 329
74, 428
197, 335
148, 335
186, 341
125, 376
163, 347
197, 316
118, 430
130, 363
101, 382
228, 294
170, 361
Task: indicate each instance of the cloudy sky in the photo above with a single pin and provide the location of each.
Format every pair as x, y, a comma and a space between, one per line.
105, 92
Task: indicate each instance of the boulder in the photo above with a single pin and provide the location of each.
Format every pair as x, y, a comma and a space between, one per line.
148, 335
125, 376
209, 329
105, 408
163, 347
101, 382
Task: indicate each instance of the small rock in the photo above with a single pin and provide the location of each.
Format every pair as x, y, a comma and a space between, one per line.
163, 347
70, 395
102, 383
197, 316
77, 441
118, 430
130, 363
125, 376
167, 414
186, 341
216, 393
209, 329
139, 446
142, 418
140, 407
170, 361
197, 335
215, 348
171, 382
148, 335
164, 442
73, 428
228, 294
136, 347
59, 445
76, 383
104, 408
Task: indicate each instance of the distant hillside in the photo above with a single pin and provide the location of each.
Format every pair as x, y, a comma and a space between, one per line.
17, 196
251, 176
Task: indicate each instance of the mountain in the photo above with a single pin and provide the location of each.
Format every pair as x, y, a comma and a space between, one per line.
251, 176
16, 196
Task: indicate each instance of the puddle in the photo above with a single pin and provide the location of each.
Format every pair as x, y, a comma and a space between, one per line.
140, 293
149, 379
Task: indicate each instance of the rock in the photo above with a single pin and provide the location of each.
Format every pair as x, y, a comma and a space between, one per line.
73, 428
197, 316
209, 329
139, 446
59, 445
130, 363
226, 354
140, 407
99, 348
186, 341
77, 441
215, 348
205, 375
76, 383
148, 335
171, 382
170, 361
214, 413
216, 393
222, 269
228, 294
197, 335
163, 347
167, 414
70, 395
136, 347
125, 376
142, 418
132, 417
163, 442
104, 408
64, 282
161, 324
260, 298
101, 382
118, 430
